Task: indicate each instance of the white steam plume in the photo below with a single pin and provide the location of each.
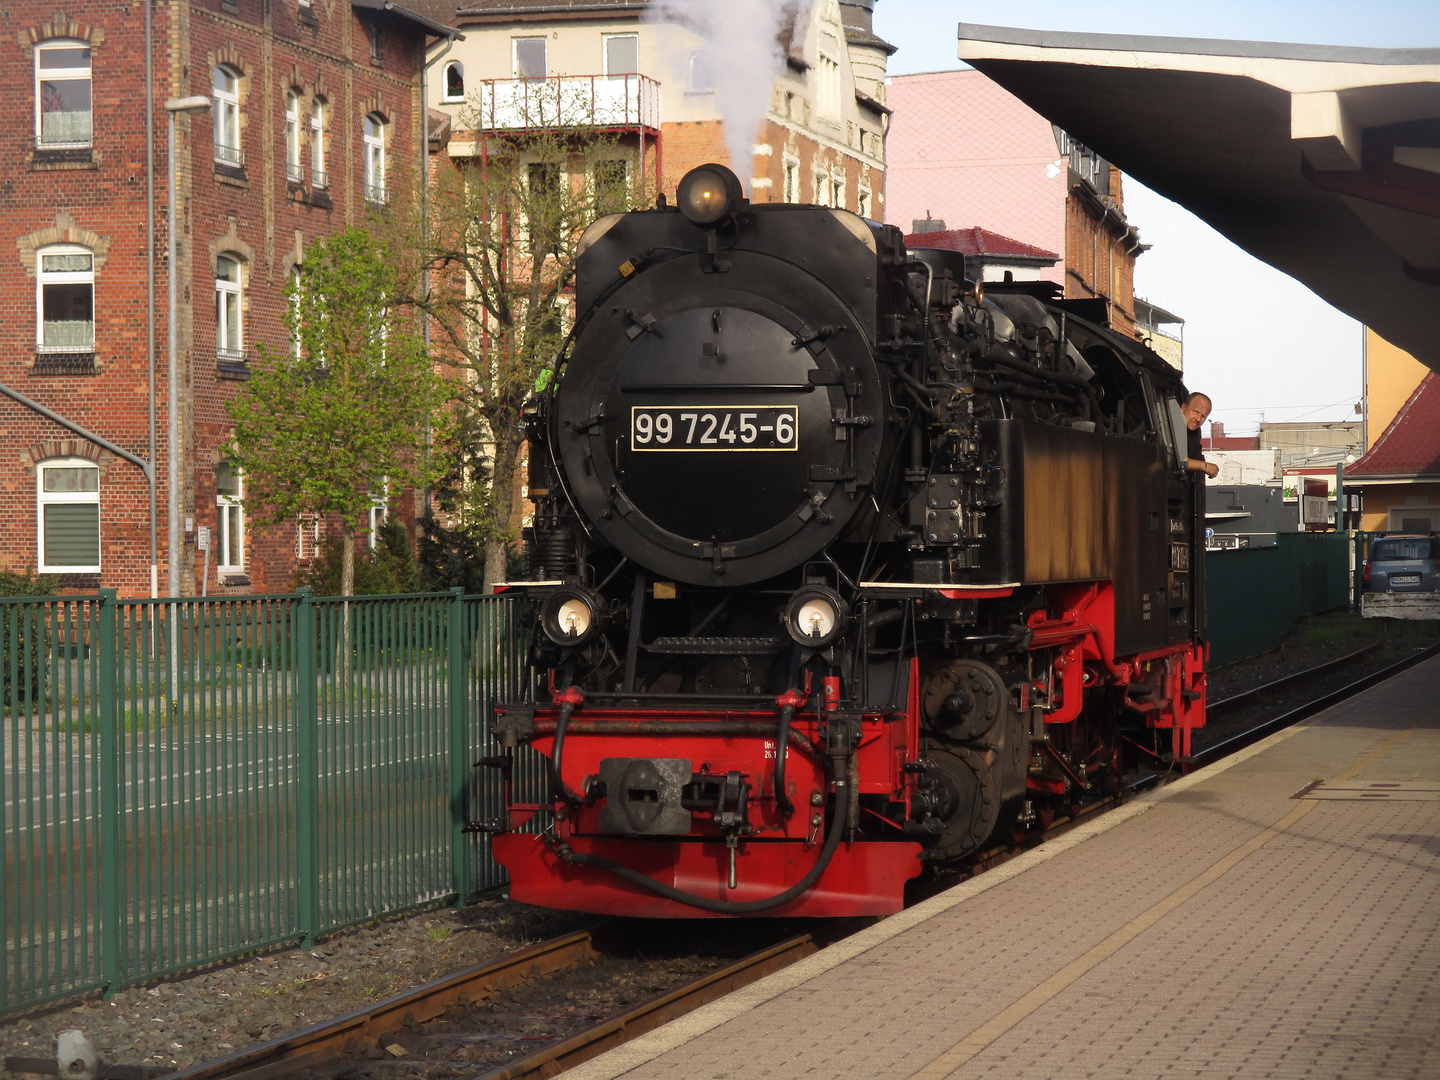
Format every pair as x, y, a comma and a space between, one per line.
742, 53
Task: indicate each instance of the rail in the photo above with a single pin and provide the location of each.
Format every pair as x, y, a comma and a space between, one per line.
331, 1048
323, 1044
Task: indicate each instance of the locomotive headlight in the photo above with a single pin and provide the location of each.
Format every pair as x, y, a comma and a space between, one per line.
708, 193
571, 616
815, 616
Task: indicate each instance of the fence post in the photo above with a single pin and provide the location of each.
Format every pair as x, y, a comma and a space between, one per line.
307, 747
459, 757
111, 833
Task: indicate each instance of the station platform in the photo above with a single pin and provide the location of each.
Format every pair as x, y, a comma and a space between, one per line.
1273, 915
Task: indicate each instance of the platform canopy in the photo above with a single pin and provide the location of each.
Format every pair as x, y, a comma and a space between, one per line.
1324, 161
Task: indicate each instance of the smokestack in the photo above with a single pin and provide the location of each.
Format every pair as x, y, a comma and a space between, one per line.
1217, 431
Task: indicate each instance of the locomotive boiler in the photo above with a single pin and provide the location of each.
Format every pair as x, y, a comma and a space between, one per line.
841, 565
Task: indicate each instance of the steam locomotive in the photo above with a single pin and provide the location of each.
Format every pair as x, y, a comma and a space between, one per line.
842, 565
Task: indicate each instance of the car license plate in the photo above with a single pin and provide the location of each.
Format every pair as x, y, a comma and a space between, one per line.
714, 427
1404, 579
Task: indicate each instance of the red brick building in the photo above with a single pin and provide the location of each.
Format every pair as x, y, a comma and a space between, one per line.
313, 123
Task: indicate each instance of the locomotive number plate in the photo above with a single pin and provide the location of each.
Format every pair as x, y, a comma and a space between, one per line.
711, 427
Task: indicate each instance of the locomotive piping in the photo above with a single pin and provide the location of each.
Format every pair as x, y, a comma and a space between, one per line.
558, 791
838, 768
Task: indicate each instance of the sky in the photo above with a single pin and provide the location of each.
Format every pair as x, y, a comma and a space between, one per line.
1262, 345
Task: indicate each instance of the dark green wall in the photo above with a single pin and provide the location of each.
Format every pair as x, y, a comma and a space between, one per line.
1254, 595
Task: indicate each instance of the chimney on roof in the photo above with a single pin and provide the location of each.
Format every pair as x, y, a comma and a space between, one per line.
927, 224
1217, 431
858, 13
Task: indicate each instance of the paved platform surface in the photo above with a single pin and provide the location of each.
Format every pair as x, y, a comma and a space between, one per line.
1228, 925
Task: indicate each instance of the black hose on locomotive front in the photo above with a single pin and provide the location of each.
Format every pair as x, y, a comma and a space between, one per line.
839, 817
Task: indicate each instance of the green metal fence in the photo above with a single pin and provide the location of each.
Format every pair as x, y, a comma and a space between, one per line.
1254, 595
188, 780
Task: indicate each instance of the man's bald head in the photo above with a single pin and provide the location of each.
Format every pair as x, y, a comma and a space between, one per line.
1197, 408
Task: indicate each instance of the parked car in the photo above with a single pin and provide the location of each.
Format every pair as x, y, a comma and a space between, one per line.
1401, 578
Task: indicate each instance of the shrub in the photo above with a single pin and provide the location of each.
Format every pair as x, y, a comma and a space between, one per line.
24, 635
390, 568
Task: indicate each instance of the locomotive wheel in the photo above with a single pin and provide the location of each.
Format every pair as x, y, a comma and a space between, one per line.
963, 700
965, 799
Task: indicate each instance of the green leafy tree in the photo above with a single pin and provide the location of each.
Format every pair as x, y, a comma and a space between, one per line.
320, 427
502, 242
24, 638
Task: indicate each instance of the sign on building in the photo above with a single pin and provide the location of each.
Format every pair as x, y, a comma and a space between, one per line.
1315, 505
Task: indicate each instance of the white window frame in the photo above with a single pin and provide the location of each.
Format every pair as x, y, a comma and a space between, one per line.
692, 84
227, 117
515, 55
445, 93
294, 142
294, 301
373, 134
310, 534
228, 509
45, 498
791, 189
63, 74
379, 511
45, 277
319, 178
837, 193
605, 41
864, 205
227, 293
822, 189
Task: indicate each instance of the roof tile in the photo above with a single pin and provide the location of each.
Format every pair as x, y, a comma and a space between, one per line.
977, 241
1410, 446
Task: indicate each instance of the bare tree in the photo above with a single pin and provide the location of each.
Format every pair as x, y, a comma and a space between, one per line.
504, 230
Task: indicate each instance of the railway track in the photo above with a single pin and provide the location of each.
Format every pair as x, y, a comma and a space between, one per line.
397, 1036
370, 1040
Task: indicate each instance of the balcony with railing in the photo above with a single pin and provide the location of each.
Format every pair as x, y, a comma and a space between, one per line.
65, 130
231, 156
616, 102
68, 349
232, 363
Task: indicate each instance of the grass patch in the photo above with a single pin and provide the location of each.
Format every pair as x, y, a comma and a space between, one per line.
1348, 630
438, 933
88, 722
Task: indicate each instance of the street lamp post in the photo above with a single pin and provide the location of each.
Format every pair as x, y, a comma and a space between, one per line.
189, 106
